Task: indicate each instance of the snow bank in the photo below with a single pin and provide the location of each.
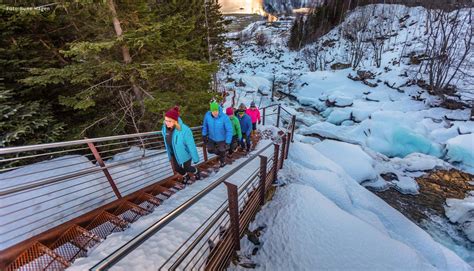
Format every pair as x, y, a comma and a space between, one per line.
256, 83
324, 211
461, 149
310, 232
350, 157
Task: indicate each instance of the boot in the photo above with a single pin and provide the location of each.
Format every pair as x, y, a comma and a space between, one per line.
197, 175
186, 179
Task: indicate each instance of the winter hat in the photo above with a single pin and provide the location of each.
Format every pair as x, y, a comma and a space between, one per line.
242, 106
229, 111
173, 113
214, 106
252, 104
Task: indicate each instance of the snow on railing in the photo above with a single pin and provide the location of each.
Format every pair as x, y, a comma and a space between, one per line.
43, 186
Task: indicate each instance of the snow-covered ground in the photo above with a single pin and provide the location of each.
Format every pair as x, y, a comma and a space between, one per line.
323, 219
384, 126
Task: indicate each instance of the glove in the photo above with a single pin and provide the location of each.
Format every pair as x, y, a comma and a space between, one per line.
259, 122
204, 139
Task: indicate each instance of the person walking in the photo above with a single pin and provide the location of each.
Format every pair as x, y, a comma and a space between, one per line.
217, 131
245, 126
254, 114
236, 131
180, 146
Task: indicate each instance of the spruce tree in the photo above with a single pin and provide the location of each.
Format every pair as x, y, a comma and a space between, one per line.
71, 60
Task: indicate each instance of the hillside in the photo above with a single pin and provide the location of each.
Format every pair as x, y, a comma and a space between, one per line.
370, 121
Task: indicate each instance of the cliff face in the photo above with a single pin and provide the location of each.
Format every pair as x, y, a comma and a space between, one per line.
285, 6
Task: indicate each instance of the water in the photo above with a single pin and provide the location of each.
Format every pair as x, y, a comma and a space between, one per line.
242, 6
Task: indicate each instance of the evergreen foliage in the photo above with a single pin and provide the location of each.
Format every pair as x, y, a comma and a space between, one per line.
67, 65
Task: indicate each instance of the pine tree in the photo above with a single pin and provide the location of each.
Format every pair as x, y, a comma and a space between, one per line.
72, 60
25, 123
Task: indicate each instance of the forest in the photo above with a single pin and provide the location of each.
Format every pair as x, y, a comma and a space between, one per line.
97, 68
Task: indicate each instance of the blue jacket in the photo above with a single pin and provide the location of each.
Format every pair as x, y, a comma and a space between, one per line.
245, 124
182, 143
218, 129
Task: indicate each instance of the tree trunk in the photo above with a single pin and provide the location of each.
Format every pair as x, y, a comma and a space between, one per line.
125, 52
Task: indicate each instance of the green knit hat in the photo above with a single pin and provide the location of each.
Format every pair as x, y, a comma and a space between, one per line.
214, 106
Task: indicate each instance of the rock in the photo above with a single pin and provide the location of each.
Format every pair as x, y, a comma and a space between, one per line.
252, 237
389, 176
364, 75
255, 250
435, 187
248, 265
340, 66
329, 43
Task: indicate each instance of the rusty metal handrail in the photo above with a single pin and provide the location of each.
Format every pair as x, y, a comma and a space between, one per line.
10, 150
127, 248
17, 189
67, 171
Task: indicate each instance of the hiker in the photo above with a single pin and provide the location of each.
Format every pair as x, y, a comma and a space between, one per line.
180, 146
245, 126
236, 132
217, 131
254, 114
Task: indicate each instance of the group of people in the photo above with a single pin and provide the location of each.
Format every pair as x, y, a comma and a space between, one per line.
222, 134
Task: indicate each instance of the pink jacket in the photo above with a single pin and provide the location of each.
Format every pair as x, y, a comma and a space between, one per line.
254, 114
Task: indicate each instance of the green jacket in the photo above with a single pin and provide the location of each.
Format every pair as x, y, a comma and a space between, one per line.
236, 127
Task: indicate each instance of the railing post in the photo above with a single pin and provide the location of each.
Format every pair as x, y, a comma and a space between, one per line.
104, 169
283, 149
293, 121
288, 144
263, 177
232, 195
278, 116
275, 161
264, 115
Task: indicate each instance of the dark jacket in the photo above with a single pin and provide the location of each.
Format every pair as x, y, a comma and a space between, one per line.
245, 124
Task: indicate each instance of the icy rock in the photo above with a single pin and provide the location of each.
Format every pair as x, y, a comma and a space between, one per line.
338, 116
339, 99
462, 212
461, 149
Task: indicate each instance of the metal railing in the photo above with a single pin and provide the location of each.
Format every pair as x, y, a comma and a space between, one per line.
280, 117
217, 238
43, 186
211, 245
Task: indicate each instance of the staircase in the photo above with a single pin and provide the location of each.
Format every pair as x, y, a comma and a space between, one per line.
118, 195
